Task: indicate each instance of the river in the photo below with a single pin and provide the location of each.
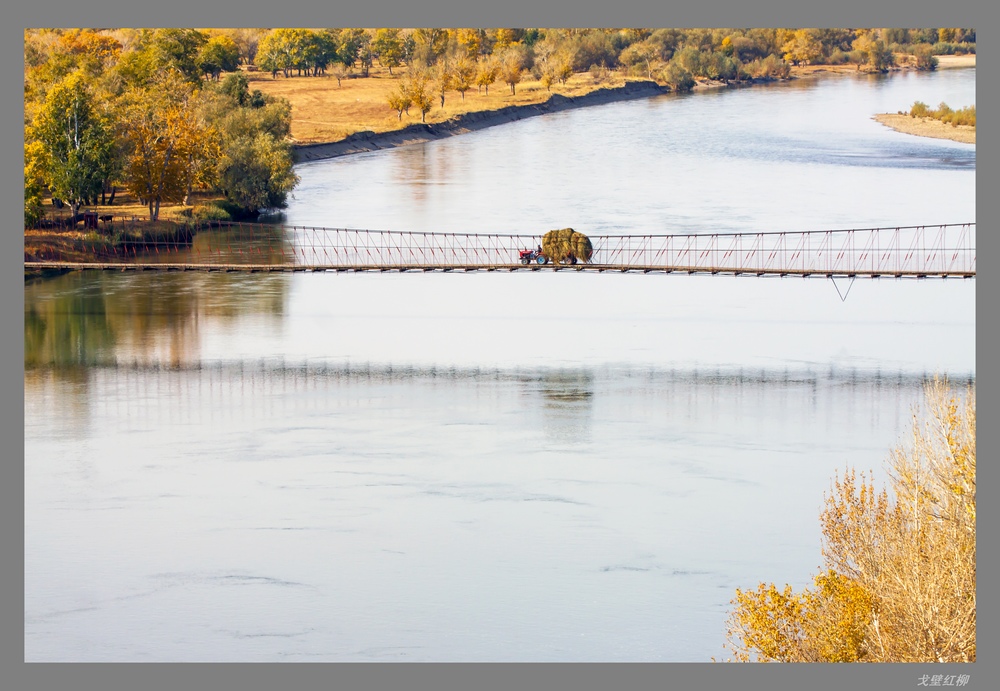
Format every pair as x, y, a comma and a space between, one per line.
480, 467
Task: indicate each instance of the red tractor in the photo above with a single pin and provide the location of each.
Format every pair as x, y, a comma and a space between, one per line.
528, 256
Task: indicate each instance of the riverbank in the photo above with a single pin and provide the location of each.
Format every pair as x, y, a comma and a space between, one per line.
469, 122
927, 127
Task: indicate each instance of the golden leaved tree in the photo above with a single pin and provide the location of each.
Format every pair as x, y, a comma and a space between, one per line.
170, 149
899, 583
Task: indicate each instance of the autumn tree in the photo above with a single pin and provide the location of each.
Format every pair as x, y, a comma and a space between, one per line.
165, 141
444, 77
202, 147
417, 88
463, 75
471, 42
400, 100
34, 180
340, 71
874, 52
899, 578
511, 70
640, 54
246, 41
803, 47
487, 73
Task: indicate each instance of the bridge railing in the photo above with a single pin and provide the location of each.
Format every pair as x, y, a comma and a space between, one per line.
905, 250
914, 250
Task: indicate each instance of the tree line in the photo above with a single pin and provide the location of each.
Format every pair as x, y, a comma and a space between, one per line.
149, 112
669, 55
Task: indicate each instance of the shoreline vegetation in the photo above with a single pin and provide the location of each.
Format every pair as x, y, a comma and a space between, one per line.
941, 123
188, 127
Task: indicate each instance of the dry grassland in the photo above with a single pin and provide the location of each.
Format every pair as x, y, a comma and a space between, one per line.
325, 112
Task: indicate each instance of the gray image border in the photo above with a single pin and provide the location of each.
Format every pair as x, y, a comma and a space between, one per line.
250, 677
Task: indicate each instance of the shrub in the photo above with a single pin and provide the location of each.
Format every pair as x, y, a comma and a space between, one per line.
838, 57
205, 213
676, 77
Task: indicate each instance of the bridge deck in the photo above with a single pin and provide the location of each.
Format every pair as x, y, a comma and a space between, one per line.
411, 268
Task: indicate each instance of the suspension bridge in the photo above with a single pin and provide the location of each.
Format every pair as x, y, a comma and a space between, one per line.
938, 251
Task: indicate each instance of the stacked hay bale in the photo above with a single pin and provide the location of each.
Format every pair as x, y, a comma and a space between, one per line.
566, 244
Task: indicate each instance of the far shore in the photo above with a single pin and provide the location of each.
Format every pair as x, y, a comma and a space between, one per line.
417, 133
927, 127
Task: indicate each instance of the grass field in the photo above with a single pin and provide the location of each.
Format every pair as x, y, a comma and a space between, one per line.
322, 111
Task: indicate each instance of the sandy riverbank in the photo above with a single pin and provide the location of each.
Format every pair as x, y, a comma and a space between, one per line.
927, 127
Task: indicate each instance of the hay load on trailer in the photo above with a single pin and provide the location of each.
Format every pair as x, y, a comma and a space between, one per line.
566, 245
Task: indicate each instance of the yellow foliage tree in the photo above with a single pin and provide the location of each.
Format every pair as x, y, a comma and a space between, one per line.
803, 47
169, 149
899, 583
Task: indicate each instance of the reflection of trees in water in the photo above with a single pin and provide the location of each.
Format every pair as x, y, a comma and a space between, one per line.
567, 405
417, 167
96, 318
412, 170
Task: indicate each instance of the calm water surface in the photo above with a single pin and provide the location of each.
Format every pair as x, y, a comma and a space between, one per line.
481, 467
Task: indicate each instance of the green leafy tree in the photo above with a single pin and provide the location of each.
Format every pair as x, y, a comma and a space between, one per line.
178, 49
219, 54
388, 46
256, 173
676, 77
275, 52
77, 142
924, 55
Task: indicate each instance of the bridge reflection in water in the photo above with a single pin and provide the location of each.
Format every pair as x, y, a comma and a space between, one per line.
945, 251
